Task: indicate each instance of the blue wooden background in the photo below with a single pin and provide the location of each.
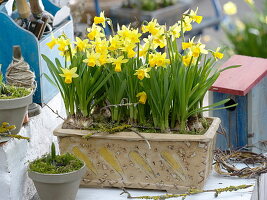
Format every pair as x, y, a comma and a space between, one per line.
12, 34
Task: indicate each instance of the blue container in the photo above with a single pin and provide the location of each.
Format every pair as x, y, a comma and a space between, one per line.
246, 124
11, 34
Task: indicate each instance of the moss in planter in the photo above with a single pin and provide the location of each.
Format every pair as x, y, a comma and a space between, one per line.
105, 125
12, 92
63, 164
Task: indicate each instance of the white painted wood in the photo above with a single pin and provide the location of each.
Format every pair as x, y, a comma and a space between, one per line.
257, 107
214, 181
263, 187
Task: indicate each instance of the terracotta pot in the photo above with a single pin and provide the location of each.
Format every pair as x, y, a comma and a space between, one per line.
175, 162
13, 111
57, 186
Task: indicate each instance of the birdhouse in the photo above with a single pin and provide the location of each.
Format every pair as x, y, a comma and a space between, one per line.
12, 34
245, 124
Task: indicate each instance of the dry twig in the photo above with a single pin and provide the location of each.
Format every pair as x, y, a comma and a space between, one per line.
140, 135
190, 192
223, 160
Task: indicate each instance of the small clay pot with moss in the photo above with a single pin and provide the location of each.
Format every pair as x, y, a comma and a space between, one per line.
14, 103
56, 177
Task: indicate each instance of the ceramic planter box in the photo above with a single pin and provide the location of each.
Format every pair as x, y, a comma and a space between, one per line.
168, 15
175, 162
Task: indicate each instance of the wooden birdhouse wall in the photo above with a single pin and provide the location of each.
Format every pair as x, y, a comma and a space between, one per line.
245, 125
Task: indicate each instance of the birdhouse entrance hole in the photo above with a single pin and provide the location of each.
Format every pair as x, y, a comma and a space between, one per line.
229, 103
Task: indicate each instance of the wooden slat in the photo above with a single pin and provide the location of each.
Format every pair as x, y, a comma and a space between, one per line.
239, 81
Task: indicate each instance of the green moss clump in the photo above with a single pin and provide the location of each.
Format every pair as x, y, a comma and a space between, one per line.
12, 92
62, 164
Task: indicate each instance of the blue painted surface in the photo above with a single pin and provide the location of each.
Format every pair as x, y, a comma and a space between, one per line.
242, 121
234, 122
11, 34
218, 11
97, 11
222, 140
97, 8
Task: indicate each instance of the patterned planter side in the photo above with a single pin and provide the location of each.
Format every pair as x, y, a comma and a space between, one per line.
175, 162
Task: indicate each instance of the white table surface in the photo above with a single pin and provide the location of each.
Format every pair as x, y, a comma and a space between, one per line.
215, 181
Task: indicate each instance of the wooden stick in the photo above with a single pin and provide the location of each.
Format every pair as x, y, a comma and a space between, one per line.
23, 9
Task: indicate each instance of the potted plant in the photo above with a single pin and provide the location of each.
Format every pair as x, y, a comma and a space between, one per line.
56, 176
165, 11
247, 37
135, 114
14, 103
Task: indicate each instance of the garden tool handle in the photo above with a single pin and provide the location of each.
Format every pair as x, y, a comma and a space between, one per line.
37, 8
23, 9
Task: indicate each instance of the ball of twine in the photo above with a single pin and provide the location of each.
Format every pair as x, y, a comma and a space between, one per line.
19, 74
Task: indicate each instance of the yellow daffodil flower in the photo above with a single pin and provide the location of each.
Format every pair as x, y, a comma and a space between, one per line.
103, 59
148, 45
250, 2
134, 36
187, 26
152, 61
217, 54
92, 59
158, 60
115, 43
69, 74
101, 46
196, 18
101, 19
142, 97
230, 8
142, 73
175, 31
117, 62
152, 27
52, 43
186, 60
63, 44
189, 44
124, 32
198, 49
143, 50
195, 49
159, 40
129, 48
95, 32
81, 44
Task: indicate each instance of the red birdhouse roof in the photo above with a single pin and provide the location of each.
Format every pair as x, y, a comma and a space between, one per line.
239, 81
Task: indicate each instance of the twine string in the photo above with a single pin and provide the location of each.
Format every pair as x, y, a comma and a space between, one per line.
19, 74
